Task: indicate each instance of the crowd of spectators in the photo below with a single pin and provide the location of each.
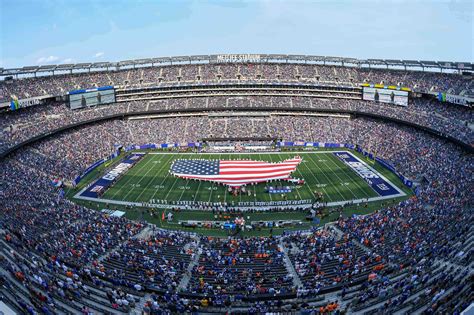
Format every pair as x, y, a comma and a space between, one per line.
61, 83
55, 252
242, 267
18, 126
100, 140
321, 260
158, 261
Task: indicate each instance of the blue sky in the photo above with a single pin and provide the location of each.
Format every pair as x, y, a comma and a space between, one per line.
70, 31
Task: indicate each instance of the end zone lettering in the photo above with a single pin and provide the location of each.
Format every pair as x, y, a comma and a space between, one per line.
97, 189
103, 183
362, 170
378, 183
119, 169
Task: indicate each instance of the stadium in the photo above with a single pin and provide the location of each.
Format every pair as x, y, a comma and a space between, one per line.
99, 212
234, 183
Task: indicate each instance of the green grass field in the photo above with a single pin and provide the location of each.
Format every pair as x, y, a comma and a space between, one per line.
323, 172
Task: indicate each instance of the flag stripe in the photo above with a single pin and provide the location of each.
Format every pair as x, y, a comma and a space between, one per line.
256, 171
234, 173
223, 167
236, 176
250, 163
238, 182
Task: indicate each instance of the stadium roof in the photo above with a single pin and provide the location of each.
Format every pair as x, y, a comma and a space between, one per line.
242, 58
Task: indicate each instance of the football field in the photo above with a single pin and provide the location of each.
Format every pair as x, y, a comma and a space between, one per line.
149, 181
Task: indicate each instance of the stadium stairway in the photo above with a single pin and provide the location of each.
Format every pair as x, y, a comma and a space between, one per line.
183, 284
335, 231
143, 234
8, 295
456, 295
340, 233
424, 300
139, 308
17, 291
289, 266
419, 298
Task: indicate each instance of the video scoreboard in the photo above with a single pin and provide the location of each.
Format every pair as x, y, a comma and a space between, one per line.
383, 94
91, 97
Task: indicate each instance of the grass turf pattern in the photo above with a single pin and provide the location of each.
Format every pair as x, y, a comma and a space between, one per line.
322, 171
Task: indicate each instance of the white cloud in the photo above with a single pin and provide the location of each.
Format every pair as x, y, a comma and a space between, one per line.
99, 54
46, 60
68, 60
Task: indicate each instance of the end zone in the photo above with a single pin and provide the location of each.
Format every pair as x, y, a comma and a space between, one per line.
102, 184
379, 183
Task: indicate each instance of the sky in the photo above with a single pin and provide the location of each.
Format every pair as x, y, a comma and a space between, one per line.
39, 32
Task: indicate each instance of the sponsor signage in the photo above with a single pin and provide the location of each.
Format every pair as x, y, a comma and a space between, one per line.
16, 103
454, 99
244, 58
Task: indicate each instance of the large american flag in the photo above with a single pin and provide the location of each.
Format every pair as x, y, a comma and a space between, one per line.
234, 173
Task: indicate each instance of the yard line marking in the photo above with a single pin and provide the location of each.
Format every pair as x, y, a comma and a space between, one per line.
336, 186
353, 180
319, 183
171, 188
139, 181
134, 170
191, 184
297, 191
197, 191
184, 189
164, 179
151, 181
329, 179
